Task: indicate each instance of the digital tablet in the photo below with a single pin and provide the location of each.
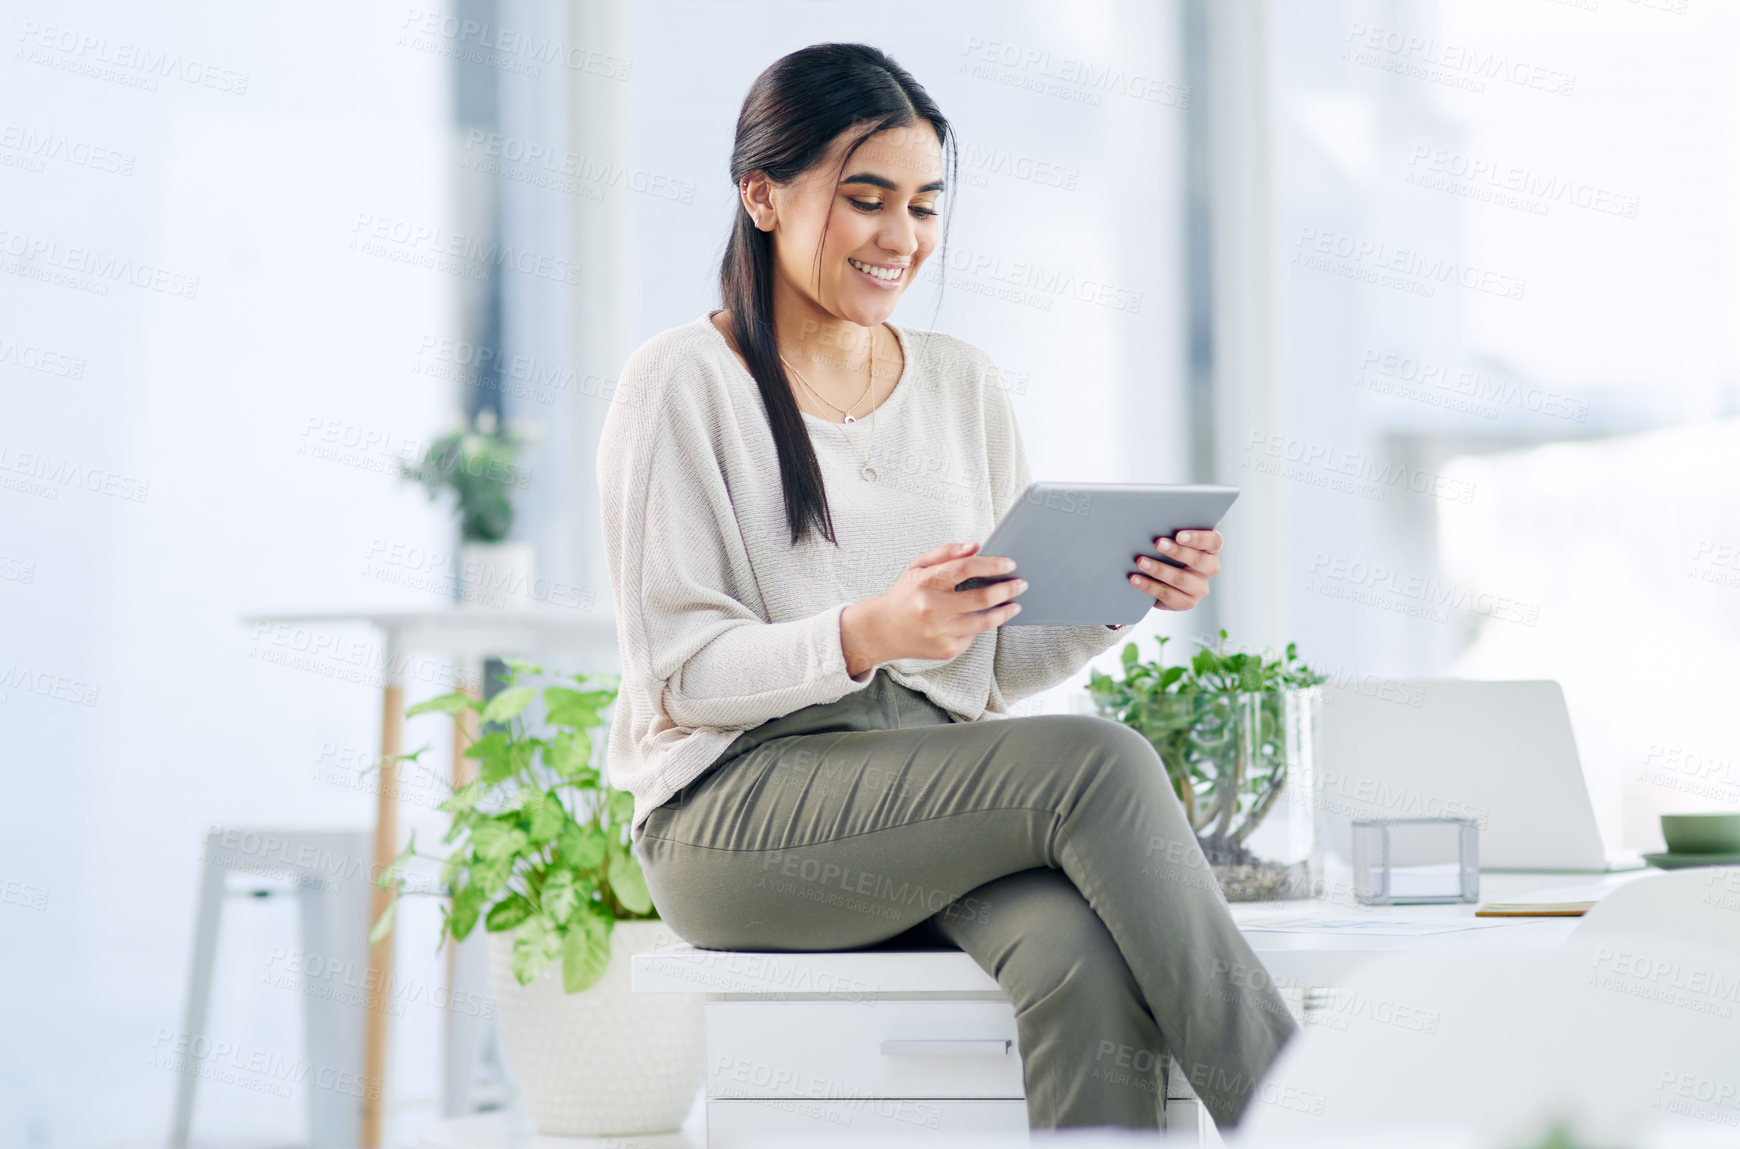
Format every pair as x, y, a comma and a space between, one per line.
1076, 545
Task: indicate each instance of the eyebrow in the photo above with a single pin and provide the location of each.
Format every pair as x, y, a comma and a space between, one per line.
887, 184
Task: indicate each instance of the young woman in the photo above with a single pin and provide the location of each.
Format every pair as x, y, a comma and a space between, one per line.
812, 721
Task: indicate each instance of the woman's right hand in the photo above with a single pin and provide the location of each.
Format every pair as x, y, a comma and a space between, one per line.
923, 616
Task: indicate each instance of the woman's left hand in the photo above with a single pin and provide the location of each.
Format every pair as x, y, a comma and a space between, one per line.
1174, 588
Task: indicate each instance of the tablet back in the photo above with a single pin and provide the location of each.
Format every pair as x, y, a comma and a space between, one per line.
1076, 545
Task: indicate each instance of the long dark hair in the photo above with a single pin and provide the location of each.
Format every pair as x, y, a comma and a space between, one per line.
793, 112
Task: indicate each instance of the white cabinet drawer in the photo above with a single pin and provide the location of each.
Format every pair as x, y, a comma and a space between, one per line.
830, 1050
751, 1124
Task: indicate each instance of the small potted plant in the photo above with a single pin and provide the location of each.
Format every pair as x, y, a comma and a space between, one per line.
477, 462
1236, 733
541, 859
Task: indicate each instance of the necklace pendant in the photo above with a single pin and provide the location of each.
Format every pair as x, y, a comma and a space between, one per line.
868, 473
851, 419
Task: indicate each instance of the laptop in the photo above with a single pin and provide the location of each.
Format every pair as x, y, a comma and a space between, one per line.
1500, 752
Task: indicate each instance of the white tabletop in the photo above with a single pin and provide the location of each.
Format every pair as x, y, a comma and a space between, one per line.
472, 630
1317, 957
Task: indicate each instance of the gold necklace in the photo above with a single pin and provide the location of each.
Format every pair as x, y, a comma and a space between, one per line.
845, 411
865, 470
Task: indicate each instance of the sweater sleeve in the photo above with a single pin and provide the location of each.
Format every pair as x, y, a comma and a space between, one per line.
1029, 659
696, 651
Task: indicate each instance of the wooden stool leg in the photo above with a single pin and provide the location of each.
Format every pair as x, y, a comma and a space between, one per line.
378, 989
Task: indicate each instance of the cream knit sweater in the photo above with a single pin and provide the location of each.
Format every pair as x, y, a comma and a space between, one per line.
722, 623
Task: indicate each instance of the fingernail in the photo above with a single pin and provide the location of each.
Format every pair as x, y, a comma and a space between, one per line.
1184, 536
1134, 581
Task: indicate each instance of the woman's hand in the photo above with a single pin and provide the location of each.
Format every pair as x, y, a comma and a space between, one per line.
923, 616
1174, 588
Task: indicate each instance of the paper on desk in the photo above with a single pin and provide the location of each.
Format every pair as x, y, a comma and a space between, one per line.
1316, 923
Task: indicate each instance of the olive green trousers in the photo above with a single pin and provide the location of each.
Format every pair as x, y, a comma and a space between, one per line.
1051, 848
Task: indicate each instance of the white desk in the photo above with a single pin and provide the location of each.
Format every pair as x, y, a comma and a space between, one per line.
464, 634
945, 977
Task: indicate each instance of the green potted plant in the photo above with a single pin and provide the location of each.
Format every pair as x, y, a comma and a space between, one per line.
1236, 732
541, 860
477, 462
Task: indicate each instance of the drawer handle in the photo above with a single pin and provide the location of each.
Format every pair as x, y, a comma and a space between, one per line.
981, 1047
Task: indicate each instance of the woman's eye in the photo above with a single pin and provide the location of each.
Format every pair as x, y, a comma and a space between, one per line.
876, 205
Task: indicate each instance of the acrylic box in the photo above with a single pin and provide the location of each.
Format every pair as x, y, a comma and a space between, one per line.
1416, 861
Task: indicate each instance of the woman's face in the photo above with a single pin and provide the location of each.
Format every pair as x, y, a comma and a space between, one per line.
881, 218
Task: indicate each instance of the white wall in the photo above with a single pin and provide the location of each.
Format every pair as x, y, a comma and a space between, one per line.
213, 407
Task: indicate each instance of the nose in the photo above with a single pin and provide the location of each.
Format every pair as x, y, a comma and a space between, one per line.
899, 237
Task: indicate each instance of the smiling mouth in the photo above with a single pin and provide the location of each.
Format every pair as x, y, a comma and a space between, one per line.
881, 274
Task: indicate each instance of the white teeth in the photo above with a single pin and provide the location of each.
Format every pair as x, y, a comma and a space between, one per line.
878, 272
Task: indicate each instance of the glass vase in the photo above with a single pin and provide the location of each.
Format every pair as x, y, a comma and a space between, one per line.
1244, 767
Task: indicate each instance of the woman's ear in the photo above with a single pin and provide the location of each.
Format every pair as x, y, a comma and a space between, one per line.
756, 192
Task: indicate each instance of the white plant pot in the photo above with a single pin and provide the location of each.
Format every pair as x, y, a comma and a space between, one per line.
603, 1062
498, 576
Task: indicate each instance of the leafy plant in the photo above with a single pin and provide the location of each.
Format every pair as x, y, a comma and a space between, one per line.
541, 844
476, 463
1219, 722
